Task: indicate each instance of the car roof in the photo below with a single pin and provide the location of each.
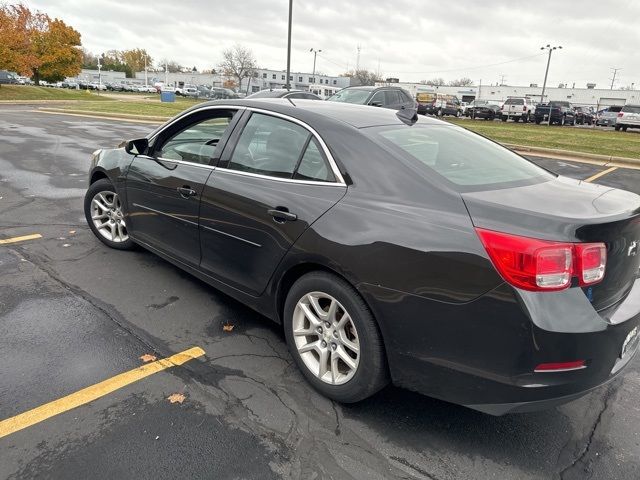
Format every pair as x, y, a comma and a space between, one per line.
274, 93
313, 111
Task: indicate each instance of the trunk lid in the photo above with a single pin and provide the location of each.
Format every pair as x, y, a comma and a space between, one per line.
565, 209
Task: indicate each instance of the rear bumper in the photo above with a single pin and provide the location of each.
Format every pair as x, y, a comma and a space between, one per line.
482, 354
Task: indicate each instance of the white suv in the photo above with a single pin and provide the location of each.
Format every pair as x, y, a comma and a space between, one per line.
628, 117
518, 108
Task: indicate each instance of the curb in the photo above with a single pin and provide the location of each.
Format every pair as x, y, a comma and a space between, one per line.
604, 160
111, 116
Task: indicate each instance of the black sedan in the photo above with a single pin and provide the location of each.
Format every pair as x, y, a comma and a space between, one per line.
390, 248
486, 111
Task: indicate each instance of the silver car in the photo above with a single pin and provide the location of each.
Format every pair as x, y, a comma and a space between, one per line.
608, 117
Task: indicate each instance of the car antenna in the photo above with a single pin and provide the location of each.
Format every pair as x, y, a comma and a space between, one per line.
291, 102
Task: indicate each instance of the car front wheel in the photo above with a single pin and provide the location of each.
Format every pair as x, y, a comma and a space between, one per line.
334, 338
103, 211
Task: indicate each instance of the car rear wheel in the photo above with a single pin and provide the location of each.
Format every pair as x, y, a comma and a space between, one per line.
334, 338
504, 118
617, 127
624, 129
103, 210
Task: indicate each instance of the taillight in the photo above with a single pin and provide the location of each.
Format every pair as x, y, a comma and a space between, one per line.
542, 265
561, 366
620, 114
524, 109
591, 259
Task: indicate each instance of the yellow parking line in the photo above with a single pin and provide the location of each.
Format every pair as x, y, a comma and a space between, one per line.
6, 241
89, 394
601, 174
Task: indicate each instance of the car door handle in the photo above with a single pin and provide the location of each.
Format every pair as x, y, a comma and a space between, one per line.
280, 215
186, 191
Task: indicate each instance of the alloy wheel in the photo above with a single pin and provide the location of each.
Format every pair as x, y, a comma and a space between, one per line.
107, 216
326, 338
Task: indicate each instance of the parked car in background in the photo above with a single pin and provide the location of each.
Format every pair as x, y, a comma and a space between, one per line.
518, 108
628, 117
389, 249
219, 93
438, 104
584, 115
283, 93
190, 91
486, 111
7, 77
608, 117
557, 112
395, 98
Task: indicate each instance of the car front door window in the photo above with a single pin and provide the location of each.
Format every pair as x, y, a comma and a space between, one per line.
196, 143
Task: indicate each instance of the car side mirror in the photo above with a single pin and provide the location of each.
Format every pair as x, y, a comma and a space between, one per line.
376, 104
137, 147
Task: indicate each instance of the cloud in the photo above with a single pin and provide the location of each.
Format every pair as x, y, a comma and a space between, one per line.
412, 40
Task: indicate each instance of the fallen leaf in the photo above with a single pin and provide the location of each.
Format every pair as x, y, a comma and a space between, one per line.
227, 327
66, 245
72, 231
147, 357
176, 398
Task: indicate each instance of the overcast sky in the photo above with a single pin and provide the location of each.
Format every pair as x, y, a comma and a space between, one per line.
412, 40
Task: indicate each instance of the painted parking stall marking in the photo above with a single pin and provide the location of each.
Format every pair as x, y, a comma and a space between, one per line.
89, 394
601, 174
23, 238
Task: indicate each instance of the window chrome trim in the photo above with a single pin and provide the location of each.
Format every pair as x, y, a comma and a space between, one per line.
181, 162
332, 163
279, 179
232, 236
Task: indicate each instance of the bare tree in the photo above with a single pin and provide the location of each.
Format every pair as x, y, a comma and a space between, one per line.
362, 77
462, 82
172, 65
238, 62
435, 81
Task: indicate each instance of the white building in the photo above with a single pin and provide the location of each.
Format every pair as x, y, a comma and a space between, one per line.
269, 79
578, 96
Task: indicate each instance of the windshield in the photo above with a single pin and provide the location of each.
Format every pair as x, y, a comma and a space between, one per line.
464, 159
350, 95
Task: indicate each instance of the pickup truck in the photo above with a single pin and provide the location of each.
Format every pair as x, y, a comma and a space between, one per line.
555, 112
517, 108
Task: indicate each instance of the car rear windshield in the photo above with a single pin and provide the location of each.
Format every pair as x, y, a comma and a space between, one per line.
465, 160
631, 109
514, 101
350, 95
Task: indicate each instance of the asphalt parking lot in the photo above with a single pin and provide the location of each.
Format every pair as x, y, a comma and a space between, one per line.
74, 313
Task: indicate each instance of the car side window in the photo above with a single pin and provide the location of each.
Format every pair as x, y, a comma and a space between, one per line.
392, 97
313, 165
269, 146
378, 98
197, 142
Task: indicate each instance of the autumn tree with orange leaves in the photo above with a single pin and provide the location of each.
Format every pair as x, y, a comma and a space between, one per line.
35, 45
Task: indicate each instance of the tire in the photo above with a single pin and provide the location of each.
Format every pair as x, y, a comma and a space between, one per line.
538, 120
504, 118
563, 121
624, 129
458, 113
370, 373
516, 119
525, 118
110, 227
439, 113
617, 127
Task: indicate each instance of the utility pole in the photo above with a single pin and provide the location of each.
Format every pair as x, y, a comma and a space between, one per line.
546, 73
615, 72
315, 53
166, 74
502, 77
288, 84
358, 58
99, 76
145, 70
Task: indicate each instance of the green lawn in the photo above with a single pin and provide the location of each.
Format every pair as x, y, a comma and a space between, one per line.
26, 92
621, 144
134, 107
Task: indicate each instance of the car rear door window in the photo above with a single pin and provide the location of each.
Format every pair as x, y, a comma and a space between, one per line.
378, 98
313, 165
631, 109
392, 97
269, 146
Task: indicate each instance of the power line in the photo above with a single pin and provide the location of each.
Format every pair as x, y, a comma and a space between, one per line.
342, 65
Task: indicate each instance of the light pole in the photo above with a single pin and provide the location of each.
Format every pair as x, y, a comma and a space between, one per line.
288, 84
99, 76
315, 52
546, 73
146, 82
